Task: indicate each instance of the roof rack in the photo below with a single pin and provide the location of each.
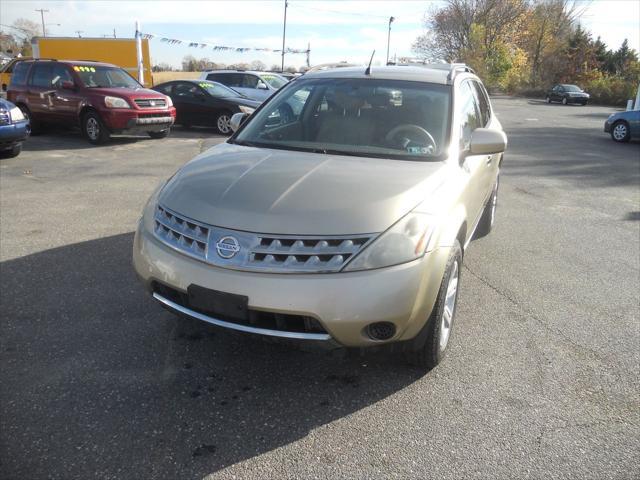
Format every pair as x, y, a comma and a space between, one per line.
452, 68
327, 66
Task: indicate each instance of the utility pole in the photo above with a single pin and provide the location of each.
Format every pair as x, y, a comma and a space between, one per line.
284, 33
391, 19
308, 54
42, 11
114, 33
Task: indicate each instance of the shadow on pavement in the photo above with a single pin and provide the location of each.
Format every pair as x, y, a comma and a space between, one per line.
585, 156
99, 381
58, 138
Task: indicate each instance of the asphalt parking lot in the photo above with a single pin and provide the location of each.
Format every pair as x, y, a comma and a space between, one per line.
542, 381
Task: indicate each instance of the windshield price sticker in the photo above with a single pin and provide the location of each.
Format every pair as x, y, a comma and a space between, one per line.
80, 68
206, 85
420, 150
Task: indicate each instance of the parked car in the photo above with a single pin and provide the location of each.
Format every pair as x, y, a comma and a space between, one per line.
206, 103
14, 129
346, 224
623, 126
99, 97
254, 85
566, 94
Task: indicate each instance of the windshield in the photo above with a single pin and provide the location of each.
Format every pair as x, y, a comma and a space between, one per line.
105, 77
216, 89
276, 81
364, 117
572, 88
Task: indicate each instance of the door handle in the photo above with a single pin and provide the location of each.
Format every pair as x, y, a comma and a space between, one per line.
489, 159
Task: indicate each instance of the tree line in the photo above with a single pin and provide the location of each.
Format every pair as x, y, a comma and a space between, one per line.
193, 64
525, 46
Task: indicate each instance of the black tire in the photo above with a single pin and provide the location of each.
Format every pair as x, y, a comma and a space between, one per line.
620, 132
94, 129
432, 351
485, 225
565, 101
34, 127
160, 134
13, 151
222, 123
548, 99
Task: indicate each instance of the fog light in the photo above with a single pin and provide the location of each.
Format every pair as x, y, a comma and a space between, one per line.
381, 330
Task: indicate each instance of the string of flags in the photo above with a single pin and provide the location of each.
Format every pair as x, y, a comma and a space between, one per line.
217, 48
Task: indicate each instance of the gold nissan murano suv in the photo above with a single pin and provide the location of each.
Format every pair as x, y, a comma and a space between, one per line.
339, 211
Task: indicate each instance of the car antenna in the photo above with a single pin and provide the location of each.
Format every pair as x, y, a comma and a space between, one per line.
368, 70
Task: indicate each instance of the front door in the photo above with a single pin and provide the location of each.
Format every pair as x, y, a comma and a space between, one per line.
65, 101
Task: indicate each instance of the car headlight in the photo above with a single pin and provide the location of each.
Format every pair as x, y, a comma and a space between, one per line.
248, 110
169, 102
406, 240
16, 114
116, 102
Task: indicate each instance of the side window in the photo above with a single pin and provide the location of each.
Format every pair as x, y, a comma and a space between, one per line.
215, 77
20, 71
41, 75
166, 89
249, 81
186, 91
60, 74
483, 103
468, 114
233, 79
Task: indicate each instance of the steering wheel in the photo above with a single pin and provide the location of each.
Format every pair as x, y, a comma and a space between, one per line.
410, 129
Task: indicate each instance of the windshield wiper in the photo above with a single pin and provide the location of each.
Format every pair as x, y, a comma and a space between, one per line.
243, 143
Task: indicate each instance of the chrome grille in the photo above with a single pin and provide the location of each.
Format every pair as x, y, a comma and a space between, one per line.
255, 251
181, 233
302, 254
151, 102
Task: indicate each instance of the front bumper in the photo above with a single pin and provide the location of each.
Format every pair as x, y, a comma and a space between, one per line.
343, 303
120, 120
13, 133
607, 126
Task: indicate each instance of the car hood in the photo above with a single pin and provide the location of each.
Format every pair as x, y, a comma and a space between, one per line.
127, 92
298, 193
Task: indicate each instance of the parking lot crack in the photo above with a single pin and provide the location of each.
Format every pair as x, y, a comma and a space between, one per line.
544, 324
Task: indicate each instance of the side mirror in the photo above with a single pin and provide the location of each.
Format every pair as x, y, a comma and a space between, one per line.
237, 119
68, 85
262, 86
487, 142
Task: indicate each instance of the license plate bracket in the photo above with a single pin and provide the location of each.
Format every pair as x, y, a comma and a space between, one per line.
218, 303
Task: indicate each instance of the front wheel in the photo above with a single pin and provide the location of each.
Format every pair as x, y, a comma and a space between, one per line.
33, 128
93, 128
564, 101
440, 323
12, 152
160, 134
223, 123
548, 99
620, 131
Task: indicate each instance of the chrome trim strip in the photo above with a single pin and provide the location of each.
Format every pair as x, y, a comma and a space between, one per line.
242, 328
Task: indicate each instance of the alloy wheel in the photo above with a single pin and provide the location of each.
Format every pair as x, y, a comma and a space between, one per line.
620, 131
224, 124
449, 307
93, 128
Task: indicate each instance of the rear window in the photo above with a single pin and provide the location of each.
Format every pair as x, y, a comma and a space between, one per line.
20, 72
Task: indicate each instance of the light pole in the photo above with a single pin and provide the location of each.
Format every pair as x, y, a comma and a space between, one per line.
391, 19
284, 33
42, 10
79, 32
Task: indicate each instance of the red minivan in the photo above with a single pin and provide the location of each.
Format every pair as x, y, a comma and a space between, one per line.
101, 98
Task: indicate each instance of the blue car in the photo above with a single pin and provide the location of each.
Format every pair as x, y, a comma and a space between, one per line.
623, 126
14, 129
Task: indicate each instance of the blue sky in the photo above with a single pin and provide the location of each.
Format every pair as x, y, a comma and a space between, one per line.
337, 30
